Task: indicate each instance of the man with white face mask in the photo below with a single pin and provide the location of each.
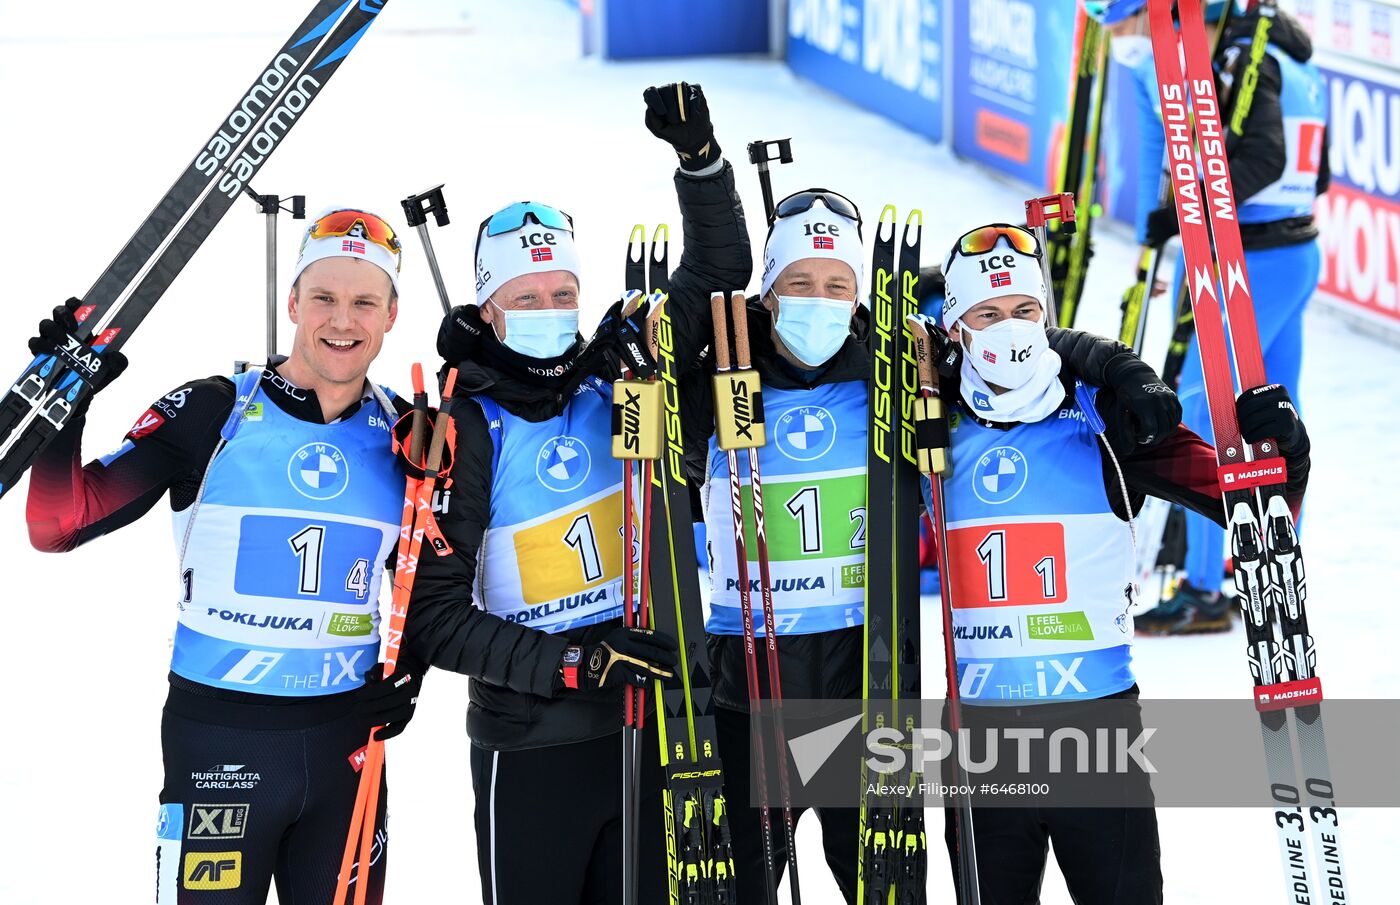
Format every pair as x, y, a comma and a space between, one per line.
1046, 473
808, 334
529, 601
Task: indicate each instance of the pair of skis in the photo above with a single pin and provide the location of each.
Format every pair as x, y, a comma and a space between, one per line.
893, 859
1268, 561
42, 400
418, 522
1070, 245
700, 863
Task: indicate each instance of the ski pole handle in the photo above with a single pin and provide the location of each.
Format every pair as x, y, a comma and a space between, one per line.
420, 416
721, 318
761, 154
416, 209
738, 308
442, 425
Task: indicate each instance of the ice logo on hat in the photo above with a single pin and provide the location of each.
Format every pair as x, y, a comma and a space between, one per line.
806, 432
1000, 475
563, 463
318, 471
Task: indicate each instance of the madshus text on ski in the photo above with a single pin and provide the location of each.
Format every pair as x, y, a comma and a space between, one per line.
535, 527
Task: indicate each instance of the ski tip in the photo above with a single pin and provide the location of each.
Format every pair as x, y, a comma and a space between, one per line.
915, 218
417, 372
662, 235
885, 230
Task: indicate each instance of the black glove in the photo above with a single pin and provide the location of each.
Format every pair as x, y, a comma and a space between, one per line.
1267, 412
1155, 411
54, 333
679, 115
623, 340
1162, 224
403, 443
634, 656
389, 702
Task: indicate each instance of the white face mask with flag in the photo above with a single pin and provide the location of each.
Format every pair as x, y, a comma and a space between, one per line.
1013, 355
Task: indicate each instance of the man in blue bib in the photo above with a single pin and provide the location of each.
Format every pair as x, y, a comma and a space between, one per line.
529, 604
286, 503
1047, 475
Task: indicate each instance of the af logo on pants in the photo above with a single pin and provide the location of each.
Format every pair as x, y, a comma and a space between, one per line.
213, 870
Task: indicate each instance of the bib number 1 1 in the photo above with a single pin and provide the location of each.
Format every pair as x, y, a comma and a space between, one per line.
1008, 565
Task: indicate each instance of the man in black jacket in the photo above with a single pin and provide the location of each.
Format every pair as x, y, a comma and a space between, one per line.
529, 602
809, 340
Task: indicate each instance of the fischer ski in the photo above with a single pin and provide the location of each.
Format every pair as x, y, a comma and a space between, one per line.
43, 398
1268, 563
893, 859
698, 848
1070, 246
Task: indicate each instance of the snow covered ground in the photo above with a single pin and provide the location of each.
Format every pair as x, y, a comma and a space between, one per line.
104, 103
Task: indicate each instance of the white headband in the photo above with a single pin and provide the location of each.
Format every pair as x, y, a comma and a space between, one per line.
352, 245
974, 279
530, 249
815, 233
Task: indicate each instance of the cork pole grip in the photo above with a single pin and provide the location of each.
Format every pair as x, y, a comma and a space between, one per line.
440, 427
721, 331
420, 417
738, 307
923, 346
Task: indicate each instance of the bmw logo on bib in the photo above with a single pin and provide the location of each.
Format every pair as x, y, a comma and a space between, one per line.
806, 432
563, 463
1000, 475
318, 471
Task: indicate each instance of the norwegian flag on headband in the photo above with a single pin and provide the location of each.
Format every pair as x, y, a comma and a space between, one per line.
353, 246
541, 254
825, 242
1002, 278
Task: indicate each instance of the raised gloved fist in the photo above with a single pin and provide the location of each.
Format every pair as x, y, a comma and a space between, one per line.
100, 368
679, 115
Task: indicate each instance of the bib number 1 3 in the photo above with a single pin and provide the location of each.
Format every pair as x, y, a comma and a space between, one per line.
1008, 565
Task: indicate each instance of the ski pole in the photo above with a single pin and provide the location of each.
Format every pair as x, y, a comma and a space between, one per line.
762, 153
271, 206
932, 439
417, 522
416, 209
739, 425
1039, 212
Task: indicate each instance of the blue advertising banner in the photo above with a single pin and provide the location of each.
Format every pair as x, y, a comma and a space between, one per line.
886, 55
1010, 84
639, 29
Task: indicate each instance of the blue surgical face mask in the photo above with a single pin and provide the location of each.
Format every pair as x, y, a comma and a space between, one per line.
540, 334
812, 327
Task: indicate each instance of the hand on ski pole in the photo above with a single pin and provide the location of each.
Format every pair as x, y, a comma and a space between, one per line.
947, 354
634, 656
1267, 412
389, 702
1152, 405
1161, 225
622, 337
403, 443
53, 336
679, 115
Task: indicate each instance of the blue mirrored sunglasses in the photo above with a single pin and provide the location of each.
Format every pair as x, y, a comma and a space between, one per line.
509, 219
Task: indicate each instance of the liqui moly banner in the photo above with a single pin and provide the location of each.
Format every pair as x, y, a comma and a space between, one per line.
1359, 217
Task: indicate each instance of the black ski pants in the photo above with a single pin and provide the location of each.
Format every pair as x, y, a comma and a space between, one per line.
256, 793
549, 822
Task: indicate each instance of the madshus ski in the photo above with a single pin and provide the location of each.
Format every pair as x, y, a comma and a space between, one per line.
698, 848
39, 403
1268, 562
893, 859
